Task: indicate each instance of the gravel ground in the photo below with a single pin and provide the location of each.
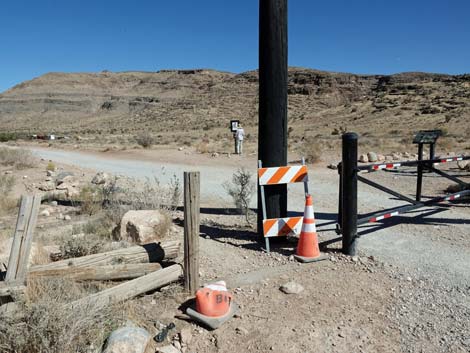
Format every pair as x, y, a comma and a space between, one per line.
407, 291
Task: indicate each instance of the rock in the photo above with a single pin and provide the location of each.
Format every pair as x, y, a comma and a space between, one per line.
50, 173
389, 158
186, 336
70, 190
372, 157
242, 331
25, 177
62, 177
45, 213
8, 172
396, 156
144, 226
332, 166
100, 178
291, 288
67, 218
463, 165
363, 158
380, 157
47, 186
128, 340
215, 154
180, 148
168, 349
54, 203
406, 155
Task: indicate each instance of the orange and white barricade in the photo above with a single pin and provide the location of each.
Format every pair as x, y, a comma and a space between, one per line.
275, 227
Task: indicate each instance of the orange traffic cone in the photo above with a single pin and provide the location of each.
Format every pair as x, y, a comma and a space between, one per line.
214, 305
307, 247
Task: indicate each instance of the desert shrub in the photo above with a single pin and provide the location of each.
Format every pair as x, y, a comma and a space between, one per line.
45, 324
241, 189
8, 136
202, 147
145, 140
91, 198
17, 157
7, 182
81, 245
51, 166
124, 194
7, 204
311, 151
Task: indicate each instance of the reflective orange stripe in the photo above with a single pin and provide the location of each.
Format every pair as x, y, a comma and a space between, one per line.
301, 174
278, 175
288, 226
267, 225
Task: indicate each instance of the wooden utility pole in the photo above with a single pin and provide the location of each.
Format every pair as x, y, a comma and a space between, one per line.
191, 231
272, 127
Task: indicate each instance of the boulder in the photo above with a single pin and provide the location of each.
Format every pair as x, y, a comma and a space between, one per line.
62, 177
363, 158
128, 340
372, 157
389, 158
47, 186
463, 165
396, 156
100, 178
380, 157
144, 226
71, 191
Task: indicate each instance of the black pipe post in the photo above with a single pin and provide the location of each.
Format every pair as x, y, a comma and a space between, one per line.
419, 181
349, 193
272, 127
340, 199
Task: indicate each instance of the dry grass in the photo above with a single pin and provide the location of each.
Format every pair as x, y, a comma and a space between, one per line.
44, 324
17, 157
311, 151
7, 204
124, 194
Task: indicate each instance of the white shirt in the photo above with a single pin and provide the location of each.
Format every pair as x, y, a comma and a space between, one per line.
240, 134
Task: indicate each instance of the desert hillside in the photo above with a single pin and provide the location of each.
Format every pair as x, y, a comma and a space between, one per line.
173, 104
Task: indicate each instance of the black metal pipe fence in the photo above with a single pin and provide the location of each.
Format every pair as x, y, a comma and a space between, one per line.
348, 169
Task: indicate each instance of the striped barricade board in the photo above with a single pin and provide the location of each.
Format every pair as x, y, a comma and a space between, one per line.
277, 227
282, 175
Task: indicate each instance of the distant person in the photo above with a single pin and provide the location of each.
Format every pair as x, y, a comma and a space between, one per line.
239, 136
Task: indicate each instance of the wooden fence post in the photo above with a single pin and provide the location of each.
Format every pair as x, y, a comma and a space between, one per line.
191, 231
23, 239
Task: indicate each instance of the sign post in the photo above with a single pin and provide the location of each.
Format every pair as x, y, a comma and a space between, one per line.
233, 128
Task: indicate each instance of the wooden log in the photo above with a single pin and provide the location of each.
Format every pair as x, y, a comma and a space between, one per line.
153, 252
23, 238
131, 288
191, 231
98, 273
12, 288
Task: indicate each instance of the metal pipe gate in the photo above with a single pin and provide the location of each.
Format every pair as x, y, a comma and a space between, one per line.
348, 169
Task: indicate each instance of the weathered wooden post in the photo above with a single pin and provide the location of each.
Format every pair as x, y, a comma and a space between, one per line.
272, 127
191, 231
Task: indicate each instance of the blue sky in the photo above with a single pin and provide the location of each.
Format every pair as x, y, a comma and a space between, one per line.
360, 36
